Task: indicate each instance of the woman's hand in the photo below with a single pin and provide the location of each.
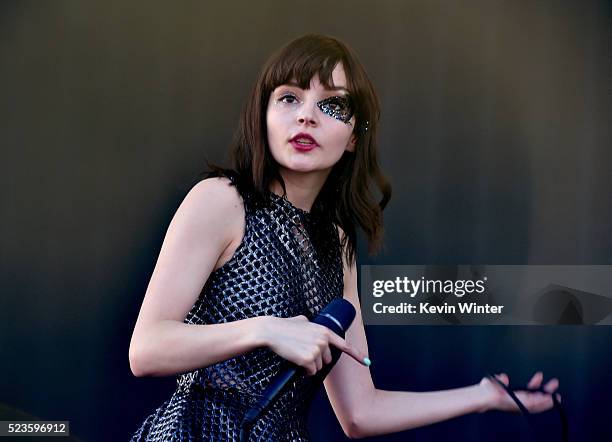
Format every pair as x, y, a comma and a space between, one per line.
496, 398
304, 343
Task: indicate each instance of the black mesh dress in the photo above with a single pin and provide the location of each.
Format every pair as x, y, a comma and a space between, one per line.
288, 264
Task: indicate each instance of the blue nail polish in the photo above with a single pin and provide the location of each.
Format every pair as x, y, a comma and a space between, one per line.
367, 361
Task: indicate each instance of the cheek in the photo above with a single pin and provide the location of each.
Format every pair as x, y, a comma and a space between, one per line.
342, 136
275, 122
277, 134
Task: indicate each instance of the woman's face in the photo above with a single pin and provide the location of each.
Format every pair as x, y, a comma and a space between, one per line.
309, 129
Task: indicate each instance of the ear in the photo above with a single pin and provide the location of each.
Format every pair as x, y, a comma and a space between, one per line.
350, 147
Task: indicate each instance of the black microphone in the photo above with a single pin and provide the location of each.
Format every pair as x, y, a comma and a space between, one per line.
337, 316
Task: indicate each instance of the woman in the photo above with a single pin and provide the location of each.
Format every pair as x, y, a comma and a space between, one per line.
254, 252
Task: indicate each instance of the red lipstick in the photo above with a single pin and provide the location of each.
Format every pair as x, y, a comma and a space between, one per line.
303, 142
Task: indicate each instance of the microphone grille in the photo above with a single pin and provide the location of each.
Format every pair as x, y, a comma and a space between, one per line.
342, 310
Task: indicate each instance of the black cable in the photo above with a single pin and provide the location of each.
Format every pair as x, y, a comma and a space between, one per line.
557, 405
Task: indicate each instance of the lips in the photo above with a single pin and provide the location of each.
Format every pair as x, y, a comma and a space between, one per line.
303, 141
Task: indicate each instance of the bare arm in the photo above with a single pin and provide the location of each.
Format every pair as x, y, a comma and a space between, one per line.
200, 231
363, 410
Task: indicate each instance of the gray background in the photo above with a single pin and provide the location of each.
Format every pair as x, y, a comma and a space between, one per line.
495, 134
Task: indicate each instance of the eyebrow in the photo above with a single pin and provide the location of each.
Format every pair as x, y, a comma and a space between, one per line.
335, 88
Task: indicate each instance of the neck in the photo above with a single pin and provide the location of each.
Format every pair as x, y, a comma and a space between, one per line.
302, 188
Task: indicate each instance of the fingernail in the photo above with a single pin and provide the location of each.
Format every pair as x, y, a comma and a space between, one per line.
367, 361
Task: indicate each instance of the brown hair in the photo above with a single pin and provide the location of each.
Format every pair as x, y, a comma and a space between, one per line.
347, 195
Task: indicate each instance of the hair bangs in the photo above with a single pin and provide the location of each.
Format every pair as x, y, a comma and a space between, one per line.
301, 60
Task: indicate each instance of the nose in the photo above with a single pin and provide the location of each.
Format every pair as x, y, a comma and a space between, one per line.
307, 115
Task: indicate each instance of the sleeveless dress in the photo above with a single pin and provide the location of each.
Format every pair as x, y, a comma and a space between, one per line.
289, 263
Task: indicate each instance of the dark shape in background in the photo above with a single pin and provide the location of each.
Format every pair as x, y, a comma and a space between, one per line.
559, 307
495, 133
567, 306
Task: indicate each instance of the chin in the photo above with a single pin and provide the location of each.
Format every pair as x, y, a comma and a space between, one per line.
303, 164
301, 168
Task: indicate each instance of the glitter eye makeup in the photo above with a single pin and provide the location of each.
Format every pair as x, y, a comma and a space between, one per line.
337, 107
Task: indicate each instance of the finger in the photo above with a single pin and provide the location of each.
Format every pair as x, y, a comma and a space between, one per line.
503, 377
535, 402
552, 385
319, 363
311, 369
542, 402
301, 318
536, 380
341, 344
353, 352
327, 356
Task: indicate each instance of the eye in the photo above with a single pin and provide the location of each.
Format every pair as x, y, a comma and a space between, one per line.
288, 99
336, 104
337, 107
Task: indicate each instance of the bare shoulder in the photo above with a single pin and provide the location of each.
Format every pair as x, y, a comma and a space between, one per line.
216, 198
219, 216
215, 192
211, 214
